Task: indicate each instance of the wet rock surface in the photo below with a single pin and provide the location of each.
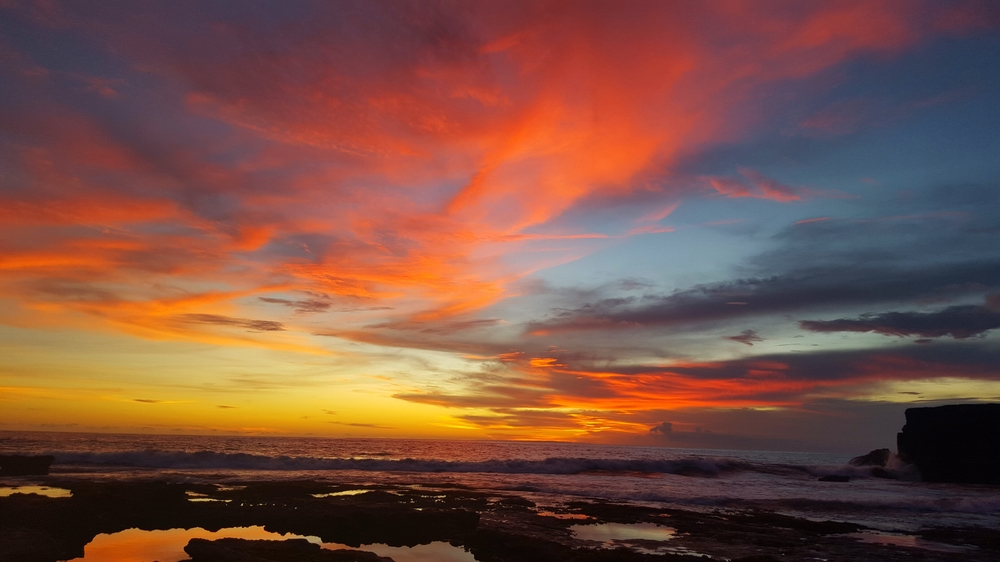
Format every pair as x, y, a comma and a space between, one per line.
493, 526
957, 443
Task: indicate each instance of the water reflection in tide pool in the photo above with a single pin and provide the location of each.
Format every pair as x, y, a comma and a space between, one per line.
135, 545
647, 538
907, 540
40, 490
610, 532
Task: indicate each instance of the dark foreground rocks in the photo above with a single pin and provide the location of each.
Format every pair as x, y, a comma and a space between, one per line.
494, 526
20, 465
959, 443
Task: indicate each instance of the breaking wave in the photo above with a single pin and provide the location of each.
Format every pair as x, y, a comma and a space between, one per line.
704, 467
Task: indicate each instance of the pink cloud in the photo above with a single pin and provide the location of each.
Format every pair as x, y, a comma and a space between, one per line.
755, 185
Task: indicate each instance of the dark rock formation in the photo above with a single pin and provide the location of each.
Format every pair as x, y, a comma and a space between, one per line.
959, 443
291, 550
878, 457
20, 465
834, 478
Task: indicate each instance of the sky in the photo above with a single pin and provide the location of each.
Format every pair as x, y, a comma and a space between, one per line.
730, 225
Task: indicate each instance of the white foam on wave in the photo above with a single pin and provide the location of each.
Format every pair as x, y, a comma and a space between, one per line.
243, 461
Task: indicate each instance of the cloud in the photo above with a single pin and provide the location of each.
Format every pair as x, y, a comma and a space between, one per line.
755, 185
785, 380
366, 425
959, 322
747, 337
663, 428
252, 325
307, 305
794, 291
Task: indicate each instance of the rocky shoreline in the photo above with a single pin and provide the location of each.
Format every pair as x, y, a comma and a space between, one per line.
494, 527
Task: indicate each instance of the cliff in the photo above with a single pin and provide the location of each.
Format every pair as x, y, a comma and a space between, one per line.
959, 443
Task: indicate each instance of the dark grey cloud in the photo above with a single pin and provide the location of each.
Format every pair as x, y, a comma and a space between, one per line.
795, 291
662, 428
970, 358
959, 322
746, 337
252, 325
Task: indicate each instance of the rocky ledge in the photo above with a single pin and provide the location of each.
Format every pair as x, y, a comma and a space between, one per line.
20, 465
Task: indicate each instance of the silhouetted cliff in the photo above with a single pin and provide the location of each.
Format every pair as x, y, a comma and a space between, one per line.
958, 443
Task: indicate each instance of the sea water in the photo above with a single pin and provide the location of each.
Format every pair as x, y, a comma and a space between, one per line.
550, 474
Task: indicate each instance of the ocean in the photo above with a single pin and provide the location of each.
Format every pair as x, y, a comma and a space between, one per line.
549, 474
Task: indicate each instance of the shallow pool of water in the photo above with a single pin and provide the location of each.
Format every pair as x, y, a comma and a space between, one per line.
40, 490
136, 545
647, 538
340, 493
611, 532
908, 540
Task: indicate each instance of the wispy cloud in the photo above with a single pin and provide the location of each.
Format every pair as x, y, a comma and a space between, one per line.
746, 337
363, 425
253, 325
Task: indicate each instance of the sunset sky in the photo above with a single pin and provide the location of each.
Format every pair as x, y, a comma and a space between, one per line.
768, 224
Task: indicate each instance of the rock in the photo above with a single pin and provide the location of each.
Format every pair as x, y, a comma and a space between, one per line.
959, 443
878, 457
31, 545
834, 478
879, 472
21, 465
291, 550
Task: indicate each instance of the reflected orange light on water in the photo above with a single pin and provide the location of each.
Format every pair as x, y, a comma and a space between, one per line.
136, 545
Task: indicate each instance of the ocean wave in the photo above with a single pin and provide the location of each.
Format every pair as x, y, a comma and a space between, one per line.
704, 467
952, 504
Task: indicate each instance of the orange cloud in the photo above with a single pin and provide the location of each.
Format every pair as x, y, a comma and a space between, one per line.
403, 164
